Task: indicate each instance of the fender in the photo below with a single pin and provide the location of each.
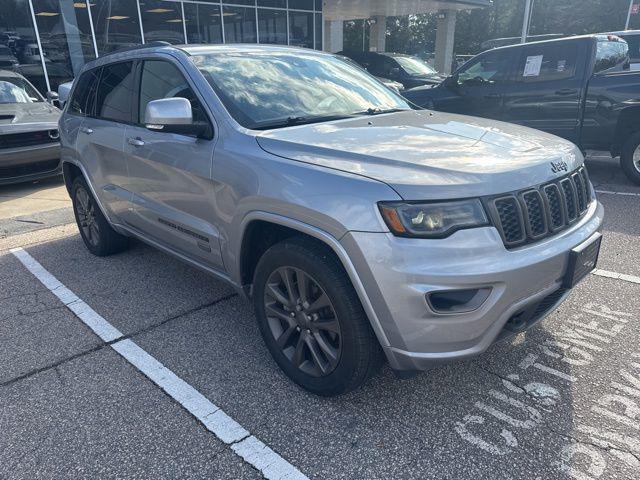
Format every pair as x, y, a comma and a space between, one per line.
335, 245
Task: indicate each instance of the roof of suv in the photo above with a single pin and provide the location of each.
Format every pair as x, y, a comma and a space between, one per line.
192, 49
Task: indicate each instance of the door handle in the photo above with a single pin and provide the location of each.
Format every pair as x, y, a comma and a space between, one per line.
492, 96
136, 142
86, 130
567, 91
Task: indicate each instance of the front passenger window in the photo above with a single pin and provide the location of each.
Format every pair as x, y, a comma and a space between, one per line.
490, 69
160, 80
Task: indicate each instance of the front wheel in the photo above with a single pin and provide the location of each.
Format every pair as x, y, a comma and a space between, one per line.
311, 318
630, 158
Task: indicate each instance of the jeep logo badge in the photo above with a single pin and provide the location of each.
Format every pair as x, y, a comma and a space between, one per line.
560, 166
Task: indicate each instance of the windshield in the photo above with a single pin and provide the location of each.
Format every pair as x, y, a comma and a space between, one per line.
415, 66
17, 90
274, 89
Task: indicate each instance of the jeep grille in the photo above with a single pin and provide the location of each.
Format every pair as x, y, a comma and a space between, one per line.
530, 215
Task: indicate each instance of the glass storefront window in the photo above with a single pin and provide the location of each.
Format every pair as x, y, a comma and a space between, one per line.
65, 36
301, 29
18, 45
116, 24
239, 25
162, 21
203, 23
241, 2
318, 31
302, 4
273, 3
272, 26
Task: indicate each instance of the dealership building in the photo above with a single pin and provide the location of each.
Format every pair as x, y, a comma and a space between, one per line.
48, 41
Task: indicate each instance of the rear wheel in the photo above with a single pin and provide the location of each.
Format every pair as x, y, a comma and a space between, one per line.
311, 318
98, 236
630, 158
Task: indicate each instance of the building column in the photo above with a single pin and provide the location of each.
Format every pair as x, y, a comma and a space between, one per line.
378, 34
445, 37
333, 36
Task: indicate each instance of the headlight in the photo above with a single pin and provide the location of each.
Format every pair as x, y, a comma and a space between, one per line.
432, 220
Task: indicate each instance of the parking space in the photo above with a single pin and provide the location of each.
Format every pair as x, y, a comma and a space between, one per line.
561, 401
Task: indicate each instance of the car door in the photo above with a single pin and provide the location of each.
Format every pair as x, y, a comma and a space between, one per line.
170, 173
101, 136
478, 87
549, 88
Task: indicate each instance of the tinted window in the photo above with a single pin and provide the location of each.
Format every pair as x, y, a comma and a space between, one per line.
84, 93
634, 47
610, 55
381, 66
547, 63
489, 69
164, 80
113, 101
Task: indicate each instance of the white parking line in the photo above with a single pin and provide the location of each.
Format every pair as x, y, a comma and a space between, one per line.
248, 447
625, 194
616, 276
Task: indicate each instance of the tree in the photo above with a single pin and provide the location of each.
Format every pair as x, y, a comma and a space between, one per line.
416, 33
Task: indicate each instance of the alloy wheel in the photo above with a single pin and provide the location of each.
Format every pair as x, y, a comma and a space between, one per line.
303, 321
85, 209
636, 158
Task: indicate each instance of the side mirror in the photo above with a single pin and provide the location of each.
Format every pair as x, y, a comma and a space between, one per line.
451, 82
53, 98
173, 115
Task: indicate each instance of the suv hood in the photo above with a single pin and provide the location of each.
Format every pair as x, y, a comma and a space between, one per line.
426, 155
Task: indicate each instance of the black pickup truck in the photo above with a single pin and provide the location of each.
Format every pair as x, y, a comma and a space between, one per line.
579, 88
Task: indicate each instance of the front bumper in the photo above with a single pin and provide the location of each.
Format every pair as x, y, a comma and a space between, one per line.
397, 273
33, 162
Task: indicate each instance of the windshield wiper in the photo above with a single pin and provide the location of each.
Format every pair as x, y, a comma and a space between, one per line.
379, 111
292, 121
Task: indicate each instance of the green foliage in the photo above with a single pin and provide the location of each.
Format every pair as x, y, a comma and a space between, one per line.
416, 33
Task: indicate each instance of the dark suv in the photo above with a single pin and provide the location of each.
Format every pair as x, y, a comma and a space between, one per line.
579, 88
408, 70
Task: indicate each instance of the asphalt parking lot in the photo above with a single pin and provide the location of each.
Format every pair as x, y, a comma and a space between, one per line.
561, 401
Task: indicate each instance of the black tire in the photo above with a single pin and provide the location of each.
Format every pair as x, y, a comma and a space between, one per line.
359, 356
631, 166
98, 236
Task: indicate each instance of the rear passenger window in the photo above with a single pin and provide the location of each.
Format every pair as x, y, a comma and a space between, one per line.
81, 102
547, 63
115, 93
163, 80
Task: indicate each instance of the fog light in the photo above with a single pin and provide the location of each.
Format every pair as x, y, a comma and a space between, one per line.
458, 301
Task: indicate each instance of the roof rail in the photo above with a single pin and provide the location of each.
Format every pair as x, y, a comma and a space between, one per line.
138, 47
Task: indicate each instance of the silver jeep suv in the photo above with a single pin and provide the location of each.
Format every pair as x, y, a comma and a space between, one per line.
359, 227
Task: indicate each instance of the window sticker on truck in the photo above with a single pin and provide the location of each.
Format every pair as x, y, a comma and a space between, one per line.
533, 66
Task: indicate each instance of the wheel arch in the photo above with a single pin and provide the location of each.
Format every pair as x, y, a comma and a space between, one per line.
279, 228
628, 124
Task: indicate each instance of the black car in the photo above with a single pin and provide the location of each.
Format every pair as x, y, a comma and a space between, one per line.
408, 70
579, 88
